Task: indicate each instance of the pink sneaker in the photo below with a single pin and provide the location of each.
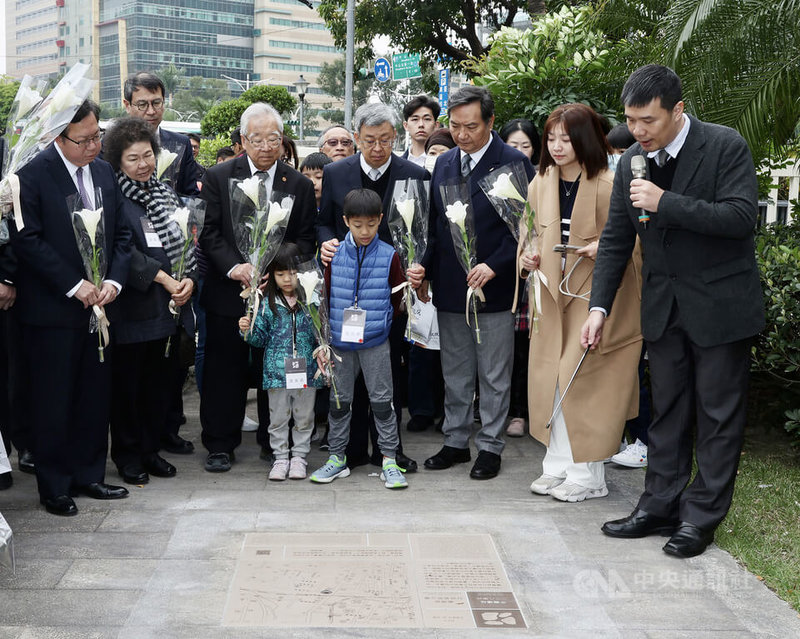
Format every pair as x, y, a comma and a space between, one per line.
297, 468
280, 468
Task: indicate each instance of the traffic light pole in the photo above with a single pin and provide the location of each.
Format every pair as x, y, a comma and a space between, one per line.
349, 62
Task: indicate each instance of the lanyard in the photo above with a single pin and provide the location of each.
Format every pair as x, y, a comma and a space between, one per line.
293, 313
360, 261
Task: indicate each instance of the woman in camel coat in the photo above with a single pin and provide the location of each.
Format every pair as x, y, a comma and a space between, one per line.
570, 196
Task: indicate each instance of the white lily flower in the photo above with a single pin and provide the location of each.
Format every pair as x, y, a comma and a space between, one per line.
457, 214
406, 208
250, 188
63, 97
28, 98
504, 189
165, 159
181, 216
309, 280
276, 214
91, 218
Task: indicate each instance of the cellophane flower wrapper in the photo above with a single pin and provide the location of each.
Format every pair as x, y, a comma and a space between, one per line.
168, 164
259, 226
312, 299
507, 188
408, 223
459, 215
88, 226
31, 129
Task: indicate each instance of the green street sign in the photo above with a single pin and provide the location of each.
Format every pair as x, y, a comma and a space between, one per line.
405, 66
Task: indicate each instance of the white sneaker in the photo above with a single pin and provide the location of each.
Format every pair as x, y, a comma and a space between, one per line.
545, 484
622, 446
249, 425
634, 456
280, 469
297, 468
572, 492
516, 427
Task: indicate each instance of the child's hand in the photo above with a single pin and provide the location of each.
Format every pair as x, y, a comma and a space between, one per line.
244, 324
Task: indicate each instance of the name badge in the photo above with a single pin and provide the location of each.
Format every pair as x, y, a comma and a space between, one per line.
353, 325
296, 369
150, 235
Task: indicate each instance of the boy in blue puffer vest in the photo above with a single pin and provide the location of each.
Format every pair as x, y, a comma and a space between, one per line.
360, 280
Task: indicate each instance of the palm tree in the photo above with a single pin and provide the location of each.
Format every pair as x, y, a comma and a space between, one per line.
740, 63
172, 77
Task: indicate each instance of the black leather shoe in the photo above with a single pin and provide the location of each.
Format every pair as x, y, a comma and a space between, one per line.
61, 505
218, 462
447, 457
266, 454
6, 481
157, 466
419, 423
26, 464
177, 445
688, 541
405, 462
486, 466
133, 474
639, 524
99, 490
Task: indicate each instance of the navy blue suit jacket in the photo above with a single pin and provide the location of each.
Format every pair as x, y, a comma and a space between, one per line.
495, 245
188, 171
341, 177
49, 262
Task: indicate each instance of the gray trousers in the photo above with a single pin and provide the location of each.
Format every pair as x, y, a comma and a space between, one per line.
462, 358
283, 405
377, 367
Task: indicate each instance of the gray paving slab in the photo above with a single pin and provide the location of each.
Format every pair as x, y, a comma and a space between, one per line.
162, 561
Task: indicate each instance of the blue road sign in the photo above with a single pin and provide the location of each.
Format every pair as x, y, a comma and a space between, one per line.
383, 70
444, 87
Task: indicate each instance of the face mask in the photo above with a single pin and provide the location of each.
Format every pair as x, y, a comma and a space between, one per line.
430, 161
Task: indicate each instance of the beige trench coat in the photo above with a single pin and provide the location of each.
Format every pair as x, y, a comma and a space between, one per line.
605, 392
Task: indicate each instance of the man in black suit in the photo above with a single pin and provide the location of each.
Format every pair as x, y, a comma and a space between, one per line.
479, 152
144, 97
70, 427
374, 167
225, 379
701, 304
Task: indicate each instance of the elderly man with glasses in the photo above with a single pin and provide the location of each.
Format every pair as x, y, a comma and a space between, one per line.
336, 142
144, 97
226, 373
374, 167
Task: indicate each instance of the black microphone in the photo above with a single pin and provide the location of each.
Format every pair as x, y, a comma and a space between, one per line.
639, 170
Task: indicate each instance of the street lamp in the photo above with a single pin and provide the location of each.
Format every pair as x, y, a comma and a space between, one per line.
302, 85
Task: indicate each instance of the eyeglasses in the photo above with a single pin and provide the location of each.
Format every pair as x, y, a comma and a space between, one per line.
272, 142
142, 105
371, 143
331, 142
95, 139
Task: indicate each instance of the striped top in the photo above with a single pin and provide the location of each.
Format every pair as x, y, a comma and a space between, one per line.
566, 195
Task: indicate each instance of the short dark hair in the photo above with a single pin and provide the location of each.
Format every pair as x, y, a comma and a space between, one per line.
315, 161
469, 94
620, 137
440, 136
193, 136
285, 260
650, 82
526, 126
142, 80
236, 136
362, 203
124, 132
421, 102
86, 107
225, 152
585, 132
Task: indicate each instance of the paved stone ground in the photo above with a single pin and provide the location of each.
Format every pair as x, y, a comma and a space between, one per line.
160, 563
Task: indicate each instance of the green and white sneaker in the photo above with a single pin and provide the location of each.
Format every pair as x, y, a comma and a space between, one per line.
333, 468
392, 474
